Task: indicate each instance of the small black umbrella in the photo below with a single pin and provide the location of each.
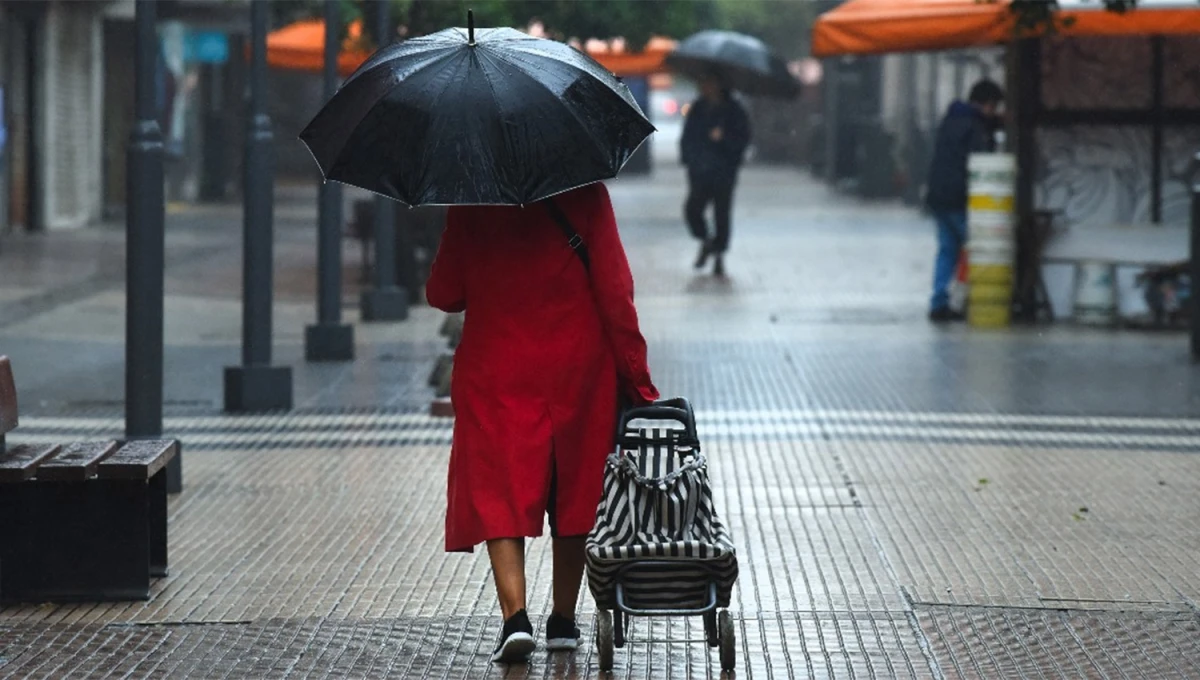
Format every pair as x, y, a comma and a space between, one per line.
740, 61
462, 117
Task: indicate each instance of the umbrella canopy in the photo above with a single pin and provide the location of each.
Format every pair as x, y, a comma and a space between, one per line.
880, 26
741, 61
462, 117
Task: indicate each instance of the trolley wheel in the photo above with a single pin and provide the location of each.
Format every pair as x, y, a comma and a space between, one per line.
728, 642
604, 639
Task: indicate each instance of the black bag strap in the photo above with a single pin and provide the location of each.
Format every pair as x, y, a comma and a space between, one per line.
573, 238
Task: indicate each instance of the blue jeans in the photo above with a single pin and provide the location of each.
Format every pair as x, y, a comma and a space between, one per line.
952, 236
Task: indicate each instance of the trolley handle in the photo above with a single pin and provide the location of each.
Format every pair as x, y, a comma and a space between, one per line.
678, 409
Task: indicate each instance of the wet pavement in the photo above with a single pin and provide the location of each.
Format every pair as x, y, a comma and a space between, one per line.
907, 501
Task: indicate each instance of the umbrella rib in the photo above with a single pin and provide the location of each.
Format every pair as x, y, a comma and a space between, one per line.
484, 55
518, 64
437, 61
578, 68
400, 50
450, 39
425, 149
569, 63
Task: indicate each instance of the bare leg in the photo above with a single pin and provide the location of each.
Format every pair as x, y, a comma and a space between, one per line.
568, 573
508, 568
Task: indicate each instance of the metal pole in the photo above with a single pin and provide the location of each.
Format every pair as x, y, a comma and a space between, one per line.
935, 86
144, 248
388, 301
256, 385
1156, 131
329, 339
832, 94
915, 142
960, 74
1026, 86
1194, 262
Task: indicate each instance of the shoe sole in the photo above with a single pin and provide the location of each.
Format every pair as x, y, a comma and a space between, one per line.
516, 649
562, 644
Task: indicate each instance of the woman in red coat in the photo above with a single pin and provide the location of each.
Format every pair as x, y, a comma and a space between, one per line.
545, 349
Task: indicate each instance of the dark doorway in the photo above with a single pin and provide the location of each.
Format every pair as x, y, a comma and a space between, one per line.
21, 112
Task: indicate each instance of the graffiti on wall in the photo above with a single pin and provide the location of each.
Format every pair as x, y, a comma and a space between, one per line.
1102, 174
1179, 149
1095, 174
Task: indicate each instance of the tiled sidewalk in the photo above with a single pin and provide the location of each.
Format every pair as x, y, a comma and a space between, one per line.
859, 559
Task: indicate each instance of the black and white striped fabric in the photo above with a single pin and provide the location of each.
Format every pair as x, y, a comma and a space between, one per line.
658, 506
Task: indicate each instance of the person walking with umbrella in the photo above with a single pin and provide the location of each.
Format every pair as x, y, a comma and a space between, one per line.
547, 350
715, 136
512, 132
717, 130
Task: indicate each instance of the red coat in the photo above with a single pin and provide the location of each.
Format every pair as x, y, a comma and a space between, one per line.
537, 373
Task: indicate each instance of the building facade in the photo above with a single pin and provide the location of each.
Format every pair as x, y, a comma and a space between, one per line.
67, 94
52, 79
887, 108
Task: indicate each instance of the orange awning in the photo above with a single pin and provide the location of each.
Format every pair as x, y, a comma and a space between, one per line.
648, 61
301, 46
880, 26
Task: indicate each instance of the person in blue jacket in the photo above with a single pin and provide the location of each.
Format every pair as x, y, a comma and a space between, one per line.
968, 127
715, 136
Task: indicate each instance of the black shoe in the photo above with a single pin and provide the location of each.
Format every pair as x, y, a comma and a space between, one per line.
946, 315
516, 641
705, 252
719, 267
561, 633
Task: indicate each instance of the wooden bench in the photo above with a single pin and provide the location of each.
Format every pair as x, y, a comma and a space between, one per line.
1142, 245
82, 521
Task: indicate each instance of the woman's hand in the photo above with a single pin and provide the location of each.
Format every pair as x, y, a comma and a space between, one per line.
640, 395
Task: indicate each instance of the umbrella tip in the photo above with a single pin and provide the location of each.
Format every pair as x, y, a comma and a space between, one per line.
470, 27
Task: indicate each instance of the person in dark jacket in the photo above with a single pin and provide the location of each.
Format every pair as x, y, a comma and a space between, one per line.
715, 136
968, 127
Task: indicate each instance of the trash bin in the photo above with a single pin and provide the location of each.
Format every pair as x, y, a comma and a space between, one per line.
1095, 294
991, 239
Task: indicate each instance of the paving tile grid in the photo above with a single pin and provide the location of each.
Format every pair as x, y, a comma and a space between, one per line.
850, 569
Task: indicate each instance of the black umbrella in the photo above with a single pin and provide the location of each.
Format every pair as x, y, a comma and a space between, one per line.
465, 117
740, 61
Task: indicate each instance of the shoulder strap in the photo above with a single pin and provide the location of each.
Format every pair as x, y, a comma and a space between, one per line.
573, 238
